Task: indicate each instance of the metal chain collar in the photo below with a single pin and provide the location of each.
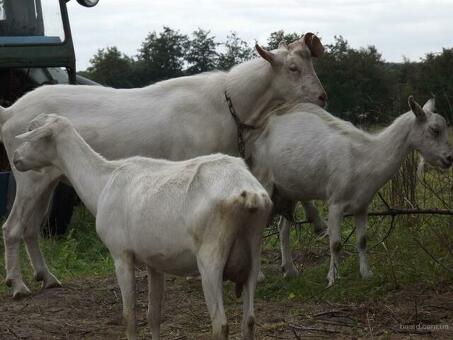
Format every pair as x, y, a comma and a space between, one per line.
239, 125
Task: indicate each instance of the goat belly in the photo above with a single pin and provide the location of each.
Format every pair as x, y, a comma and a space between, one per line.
179, 263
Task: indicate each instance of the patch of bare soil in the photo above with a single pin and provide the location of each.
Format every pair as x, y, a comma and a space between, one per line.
91, 309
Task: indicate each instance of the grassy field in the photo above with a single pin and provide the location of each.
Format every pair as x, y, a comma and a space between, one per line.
397, 262
413, 256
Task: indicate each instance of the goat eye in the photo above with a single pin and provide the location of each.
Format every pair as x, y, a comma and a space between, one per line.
293, 68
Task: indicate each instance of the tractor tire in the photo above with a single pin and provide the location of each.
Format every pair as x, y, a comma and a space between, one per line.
61, 209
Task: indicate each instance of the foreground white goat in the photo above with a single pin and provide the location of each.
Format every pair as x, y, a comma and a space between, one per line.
207, 213
176, 119
309, 154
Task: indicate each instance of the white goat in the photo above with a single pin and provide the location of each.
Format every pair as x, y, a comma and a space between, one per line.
176, 119
309, 154
207, 213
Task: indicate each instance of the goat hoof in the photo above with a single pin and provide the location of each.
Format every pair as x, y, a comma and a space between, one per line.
51, 282
261, 277
9, 282
331, 277
331, 281
289, 271
21, 292
39, 277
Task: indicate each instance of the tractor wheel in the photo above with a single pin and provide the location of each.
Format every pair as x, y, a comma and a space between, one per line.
62, 206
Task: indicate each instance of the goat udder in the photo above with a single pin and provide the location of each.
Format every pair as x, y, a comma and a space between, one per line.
238, 266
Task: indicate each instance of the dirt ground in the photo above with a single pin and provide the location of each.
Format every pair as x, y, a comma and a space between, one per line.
91, 309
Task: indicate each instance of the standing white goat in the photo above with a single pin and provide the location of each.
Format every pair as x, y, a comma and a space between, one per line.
310, 154
176, 119
205, 214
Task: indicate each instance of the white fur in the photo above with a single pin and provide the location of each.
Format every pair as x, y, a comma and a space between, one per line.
176, 119
312, 155
206, 214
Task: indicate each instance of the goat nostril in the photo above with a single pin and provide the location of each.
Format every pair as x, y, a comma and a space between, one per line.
323, 97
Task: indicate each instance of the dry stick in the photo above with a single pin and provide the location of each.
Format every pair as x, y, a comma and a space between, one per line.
389, 231
314, 329
430, 188
10, 331
337, 323
440, 307
392, 315
395, 212
431, 255
369, 325
330, 312
390, 212
384, 201
295, 334
349, 236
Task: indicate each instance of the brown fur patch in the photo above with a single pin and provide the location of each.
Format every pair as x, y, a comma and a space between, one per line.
336, 247
362, 243
225, 331
251, 323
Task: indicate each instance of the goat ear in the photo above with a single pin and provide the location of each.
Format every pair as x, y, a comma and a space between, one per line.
314, 44
34, 134
430, 105
40, 120
24, 136
269, 56
282, 44
416, 109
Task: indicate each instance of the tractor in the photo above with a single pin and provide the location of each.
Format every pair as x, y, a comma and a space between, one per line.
36, 48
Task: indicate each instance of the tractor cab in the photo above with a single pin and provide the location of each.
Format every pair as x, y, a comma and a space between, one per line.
36, 48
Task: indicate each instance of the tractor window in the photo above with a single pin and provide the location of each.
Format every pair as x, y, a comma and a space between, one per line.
30, 22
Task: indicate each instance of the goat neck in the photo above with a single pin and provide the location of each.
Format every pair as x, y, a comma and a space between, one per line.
87, 171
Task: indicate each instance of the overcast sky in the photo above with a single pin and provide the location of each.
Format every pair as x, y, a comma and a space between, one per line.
397, 28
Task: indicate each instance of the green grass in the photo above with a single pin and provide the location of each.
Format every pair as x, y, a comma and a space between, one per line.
398, 263
78, 254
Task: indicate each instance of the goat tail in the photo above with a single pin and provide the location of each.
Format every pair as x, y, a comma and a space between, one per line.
253, 201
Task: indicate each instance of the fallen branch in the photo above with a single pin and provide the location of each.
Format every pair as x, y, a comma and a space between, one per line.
313, 329
396, 212
295, 334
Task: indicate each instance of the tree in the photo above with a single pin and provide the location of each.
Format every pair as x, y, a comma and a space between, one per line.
435, 77
201, 52
112, 68
357, 81
161, 56
276, 37
237, 51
